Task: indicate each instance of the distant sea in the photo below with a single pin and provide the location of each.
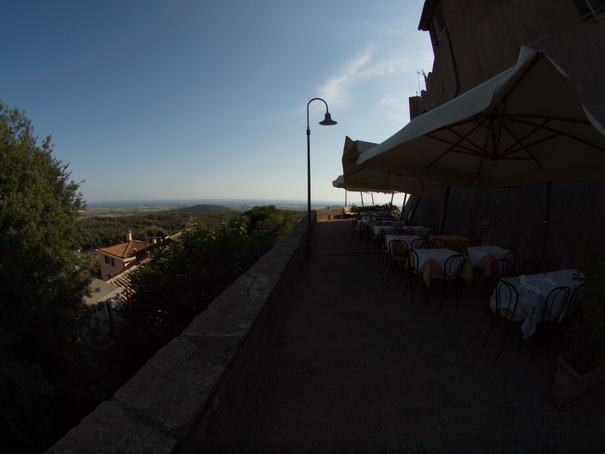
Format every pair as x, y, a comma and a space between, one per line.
292, 204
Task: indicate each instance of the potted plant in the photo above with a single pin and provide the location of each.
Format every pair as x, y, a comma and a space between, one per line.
582, 368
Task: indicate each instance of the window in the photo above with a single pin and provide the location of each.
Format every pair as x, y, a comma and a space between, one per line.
113, 262
106, 259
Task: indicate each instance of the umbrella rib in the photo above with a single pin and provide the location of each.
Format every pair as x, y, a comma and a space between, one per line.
556, 132
473, 150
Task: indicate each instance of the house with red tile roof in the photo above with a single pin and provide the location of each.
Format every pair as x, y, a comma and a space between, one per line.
115, 259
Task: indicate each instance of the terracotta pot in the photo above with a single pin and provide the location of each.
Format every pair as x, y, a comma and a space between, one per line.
569, 386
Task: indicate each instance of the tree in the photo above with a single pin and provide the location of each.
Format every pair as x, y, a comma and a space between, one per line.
42, 280
182, 279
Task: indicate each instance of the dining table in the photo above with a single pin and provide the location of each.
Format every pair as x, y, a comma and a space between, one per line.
533, 290
454, 242
482, 257
432, 261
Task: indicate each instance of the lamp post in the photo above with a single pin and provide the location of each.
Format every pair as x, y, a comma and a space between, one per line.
327, 121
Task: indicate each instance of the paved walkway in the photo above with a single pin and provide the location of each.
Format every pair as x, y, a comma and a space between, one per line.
363, 369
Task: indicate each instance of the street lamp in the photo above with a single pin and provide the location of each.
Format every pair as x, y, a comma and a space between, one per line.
327, 121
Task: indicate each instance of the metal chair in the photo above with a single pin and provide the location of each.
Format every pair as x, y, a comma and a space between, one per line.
420, 243
438, 243
500, 268
414, 275
381, 247
572, 306
424, 232
396, 230
451, 273
504, 315
398, 254
555, 308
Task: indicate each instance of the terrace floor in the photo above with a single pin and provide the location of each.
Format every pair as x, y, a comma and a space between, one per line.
361, 368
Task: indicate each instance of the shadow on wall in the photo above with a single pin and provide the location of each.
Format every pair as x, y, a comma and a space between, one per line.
514, 218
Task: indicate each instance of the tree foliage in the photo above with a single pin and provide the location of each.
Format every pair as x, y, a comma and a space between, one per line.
182, 279
104, 231
41, 284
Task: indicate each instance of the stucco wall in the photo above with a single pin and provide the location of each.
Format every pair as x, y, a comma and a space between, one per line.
187, 392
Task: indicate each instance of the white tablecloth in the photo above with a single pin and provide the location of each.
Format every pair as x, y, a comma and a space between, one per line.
439, 255
533, 290
477, 253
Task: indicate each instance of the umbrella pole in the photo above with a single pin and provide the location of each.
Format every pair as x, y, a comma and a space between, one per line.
546, 220
361, 194
413, 212
405, 199
372, 195
346, 197
443, 215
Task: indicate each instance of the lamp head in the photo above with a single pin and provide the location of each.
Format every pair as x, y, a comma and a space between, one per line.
327, 121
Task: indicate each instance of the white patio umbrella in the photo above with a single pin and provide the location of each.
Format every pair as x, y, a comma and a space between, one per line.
524, 125
356, 176
340, 183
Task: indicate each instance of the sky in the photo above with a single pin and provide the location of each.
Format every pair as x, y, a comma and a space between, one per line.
207, 99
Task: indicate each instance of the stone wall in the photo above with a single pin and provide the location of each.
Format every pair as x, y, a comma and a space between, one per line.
186, 394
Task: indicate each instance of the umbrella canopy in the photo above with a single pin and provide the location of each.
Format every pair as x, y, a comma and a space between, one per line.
524, 125
340, 183
356, 176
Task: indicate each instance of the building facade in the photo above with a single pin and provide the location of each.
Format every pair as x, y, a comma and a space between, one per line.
116, 259
473, 40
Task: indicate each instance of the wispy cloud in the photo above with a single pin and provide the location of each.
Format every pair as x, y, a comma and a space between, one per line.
366, 66
337, 87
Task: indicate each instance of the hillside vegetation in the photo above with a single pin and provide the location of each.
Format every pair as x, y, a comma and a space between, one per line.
104, 231
202, 209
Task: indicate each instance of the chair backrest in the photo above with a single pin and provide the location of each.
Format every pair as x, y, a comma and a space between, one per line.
453, 266
398, 248
556, 303
512, 258
396, 230
413, 260
420, 243
574, 300
502, 268
507, 297
424, 232
438, 243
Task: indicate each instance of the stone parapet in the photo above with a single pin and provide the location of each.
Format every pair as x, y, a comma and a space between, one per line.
186, 394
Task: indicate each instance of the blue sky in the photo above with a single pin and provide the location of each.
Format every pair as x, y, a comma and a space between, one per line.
206, 99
